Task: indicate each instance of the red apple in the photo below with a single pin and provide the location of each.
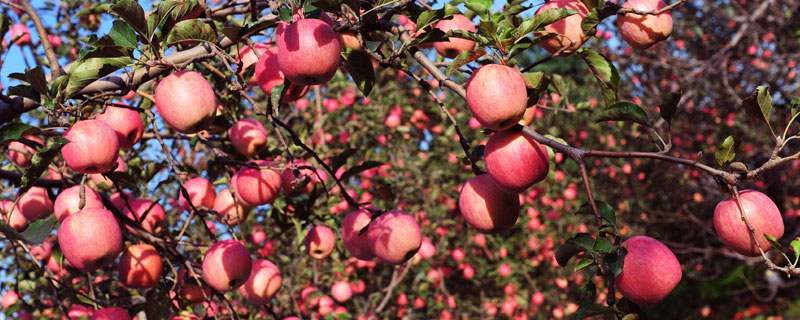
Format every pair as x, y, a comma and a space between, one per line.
358, 245
320, 242
394, 237
515, 161
232, 211
90, 239
248, 57
125, 122
68, 201
570, 33
650, 271
140, 266
248, 137
111, 313
493, 83
264, 282
21, 31
35, 204
325, 306
487, 207
258, 186
641, 32
154, 221
9, 299
17, 220
308, 52
227, 265
21, 154
201, 193
341, 291
186, 101
42, 252
268, 74
93, 147
763, 215
453, 46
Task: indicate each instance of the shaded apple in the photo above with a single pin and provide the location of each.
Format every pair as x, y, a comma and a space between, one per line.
232, 211
140, 266
154, 221
453, 46
248, 137
226, 265
264, 282
20, 153
320, 242
641, 32
570, 35
34, 204
126, 123
357, 245
487, 207
515, 161
394, 237
111, 313
258, 186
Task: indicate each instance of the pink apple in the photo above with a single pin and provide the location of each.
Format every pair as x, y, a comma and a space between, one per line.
763, 215
308, 52
111, 313
9, 299
258, 186
21, 154
394, 237
55, 40
21, 31
93, 147
126, 123
154, 221
232, 211
90, 239
515, 161
650, 271
227, 265
248, 57
68, 201
17, 220
493, 83
201, 192
393, 120
570, 33
487, 207
641, 32
288, 178
35, 204
504, 270
453, 46
186, 101
358, 245
426, 250
269, 75
325, 306
248, 137
140, 266
341, 291
42, 252
320, 242
264, 282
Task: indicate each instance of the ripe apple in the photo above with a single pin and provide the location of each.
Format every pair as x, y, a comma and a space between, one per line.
9, 299
248, 137
93, 147
515, 161
453, 46
527, 117
186, 101
68, 201
126, 123
570, 33
264, 282
111, 313
493, 83
248, 57
227, 265
232, 211
349, 40
487, 207
320, 242
325, 306
140, 266
308, 52
358, 245
34, 204
763, 215
258, 186
641, 32
394, 237
21, 31
268, 74
90, 239
201, 193
341, 291
650, 271
426, 250
155, 220
21, 154
42, 252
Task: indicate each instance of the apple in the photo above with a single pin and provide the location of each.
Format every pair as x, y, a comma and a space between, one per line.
126, 123
763, 215
320, 242
140, 266
248, 137
201, 193
264, 282
350, 40
227, 265
68, 201
111, 313
21, 31
90, 239
515, 161
155, 220
426, 250
641, 32
527, 117
42, 252
248, 57
258, 186
268, 75
288, 177
79, 312
453, 46
232, 211
568, 30
493, 83
186, 101
341, 291
308, 52
9, 299
487, 207
93, 147
34, 204
650, 271
21, 154
102, 182
357, 245
394, 237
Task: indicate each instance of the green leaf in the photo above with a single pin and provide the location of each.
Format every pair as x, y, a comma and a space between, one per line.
366, 165
541, 19
40, 161
669, 104
464, 58
132, 13
759, 104
536, 83
464, 34
429, 17
481, 7
616, 261
565, 252
14, 131
123, 35
24, 91
602, 245
774, 242
725, 152
605, 209
94, 8
39, 230
583, 264
191, 30
795, 244
9, 232
604, 71
37, 80
359, 65
92, 68
435, 35
595, 17
795, 106
625, 111
340, 159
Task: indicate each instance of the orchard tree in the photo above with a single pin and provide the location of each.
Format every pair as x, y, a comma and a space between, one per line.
400, 159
